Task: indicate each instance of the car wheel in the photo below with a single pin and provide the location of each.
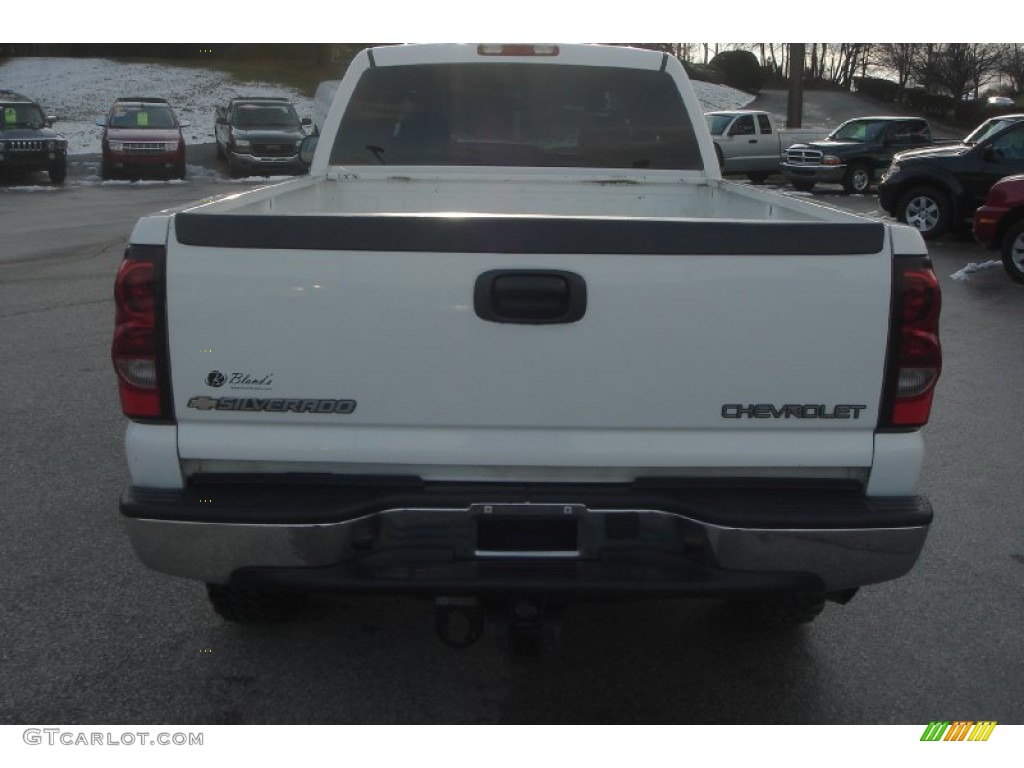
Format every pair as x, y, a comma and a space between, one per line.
233, 170
758, 178
779, 611
247, 605
927, 210
857, 180
179, 171
220, 150
803, 186
58, 173
1013, 252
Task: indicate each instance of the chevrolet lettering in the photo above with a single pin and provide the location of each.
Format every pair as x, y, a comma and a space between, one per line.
769, 411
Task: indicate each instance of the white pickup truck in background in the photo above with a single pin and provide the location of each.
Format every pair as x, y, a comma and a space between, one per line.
513, 342
748, 141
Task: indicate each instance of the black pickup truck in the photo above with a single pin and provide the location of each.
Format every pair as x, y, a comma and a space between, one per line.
260, 135
939, 189
855, 154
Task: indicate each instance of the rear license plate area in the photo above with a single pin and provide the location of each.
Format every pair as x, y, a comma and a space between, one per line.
528, 530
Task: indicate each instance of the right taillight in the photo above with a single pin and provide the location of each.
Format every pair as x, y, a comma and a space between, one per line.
138, 351
915, 355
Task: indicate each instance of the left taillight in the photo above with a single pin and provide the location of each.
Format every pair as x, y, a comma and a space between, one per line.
139, 350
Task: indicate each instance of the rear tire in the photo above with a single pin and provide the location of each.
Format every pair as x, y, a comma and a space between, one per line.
802, 186
857, 180
779, 611
1013, 252
927, 210
247, 605
758, 178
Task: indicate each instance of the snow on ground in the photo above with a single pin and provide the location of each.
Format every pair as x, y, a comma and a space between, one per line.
964, 275
712, 97
80, 90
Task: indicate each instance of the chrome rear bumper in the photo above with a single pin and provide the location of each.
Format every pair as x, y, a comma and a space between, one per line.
842, 542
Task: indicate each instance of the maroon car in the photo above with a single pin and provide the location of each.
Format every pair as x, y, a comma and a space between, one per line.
142, 136
999, 223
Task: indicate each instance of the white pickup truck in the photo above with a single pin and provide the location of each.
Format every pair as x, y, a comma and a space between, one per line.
514, 341
747, 141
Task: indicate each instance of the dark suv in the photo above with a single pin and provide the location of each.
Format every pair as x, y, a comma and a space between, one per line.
938, 189
27, 139
142, 135
855, 153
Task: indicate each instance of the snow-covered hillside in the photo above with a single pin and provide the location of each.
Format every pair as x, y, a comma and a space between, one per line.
80, 90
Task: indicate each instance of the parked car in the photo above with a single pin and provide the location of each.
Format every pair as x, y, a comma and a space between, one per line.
999, 223
142, 136
748, 141
27, 140
261, 135
939, 189
855, 154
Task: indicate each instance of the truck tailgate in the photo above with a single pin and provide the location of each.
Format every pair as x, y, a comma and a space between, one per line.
357, 340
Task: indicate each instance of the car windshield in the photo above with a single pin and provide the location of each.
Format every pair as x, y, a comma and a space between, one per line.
859, 130
718, 123
988, 128
21, 116
517, 115
266, 116
142, 116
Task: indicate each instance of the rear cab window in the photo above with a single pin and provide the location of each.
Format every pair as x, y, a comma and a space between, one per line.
517, 115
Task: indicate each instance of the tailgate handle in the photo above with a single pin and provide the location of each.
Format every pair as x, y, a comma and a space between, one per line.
530, 296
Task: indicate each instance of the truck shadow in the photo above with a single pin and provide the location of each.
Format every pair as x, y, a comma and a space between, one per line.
376, 660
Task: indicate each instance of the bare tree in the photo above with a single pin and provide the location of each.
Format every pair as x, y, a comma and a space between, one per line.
901, 58
845, 62
959, 69
1011, 64
820, 73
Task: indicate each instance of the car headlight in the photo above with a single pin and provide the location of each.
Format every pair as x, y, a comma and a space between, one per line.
170, 146
3, 146
115, 146
51, 145
831, 160
241, 145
